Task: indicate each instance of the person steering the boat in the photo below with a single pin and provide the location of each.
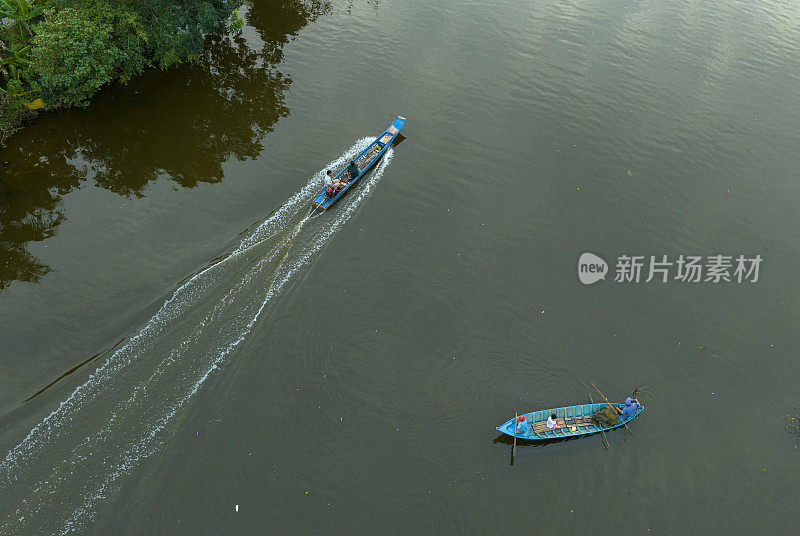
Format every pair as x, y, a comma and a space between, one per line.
522, 426
332, 185
630, 409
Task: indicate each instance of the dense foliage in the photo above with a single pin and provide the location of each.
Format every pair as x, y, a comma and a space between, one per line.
58, 53
216, 108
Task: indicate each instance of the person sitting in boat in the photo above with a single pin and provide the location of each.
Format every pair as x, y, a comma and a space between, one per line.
522, 427
332, 185
630, 409
352, 169
552, 422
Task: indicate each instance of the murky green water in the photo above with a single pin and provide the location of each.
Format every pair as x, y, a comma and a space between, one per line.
344, 374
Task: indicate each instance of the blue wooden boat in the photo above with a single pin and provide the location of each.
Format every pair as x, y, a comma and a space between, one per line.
365, 160
572, 421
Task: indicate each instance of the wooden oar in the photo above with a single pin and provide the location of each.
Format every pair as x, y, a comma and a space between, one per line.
605, 439
615, 407
514, 449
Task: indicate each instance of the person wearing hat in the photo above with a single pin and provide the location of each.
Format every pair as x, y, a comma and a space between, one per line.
630, 409
522, 426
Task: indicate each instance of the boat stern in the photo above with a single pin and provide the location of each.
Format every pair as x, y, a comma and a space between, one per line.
321, 201
508, 429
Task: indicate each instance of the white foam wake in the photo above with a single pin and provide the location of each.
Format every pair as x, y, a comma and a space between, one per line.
54, 479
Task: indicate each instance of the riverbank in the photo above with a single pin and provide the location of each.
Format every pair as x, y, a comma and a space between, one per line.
57, 54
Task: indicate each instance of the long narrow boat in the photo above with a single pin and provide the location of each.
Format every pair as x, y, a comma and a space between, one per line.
572, 421
365, 160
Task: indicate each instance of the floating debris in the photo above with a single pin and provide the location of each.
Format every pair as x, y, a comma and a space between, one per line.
793, 423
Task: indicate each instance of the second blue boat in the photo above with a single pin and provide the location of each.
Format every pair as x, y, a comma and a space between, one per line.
572, 421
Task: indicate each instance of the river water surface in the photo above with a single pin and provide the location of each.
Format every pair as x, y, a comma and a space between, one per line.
185, 351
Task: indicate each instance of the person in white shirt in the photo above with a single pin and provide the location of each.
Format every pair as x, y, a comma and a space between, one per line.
552, 423
334, 185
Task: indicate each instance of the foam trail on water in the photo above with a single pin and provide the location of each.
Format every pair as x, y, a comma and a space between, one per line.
54, 479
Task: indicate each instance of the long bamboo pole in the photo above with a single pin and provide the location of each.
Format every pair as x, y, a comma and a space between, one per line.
616, 408
605, 439
514, 449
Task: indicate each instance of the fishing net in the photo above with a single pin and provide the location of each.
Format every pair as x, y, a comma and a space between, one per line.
606, 416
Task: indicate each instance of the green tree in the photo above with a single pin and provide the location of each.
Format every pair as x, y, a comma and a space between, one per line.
15, 47
66, 52
78, 49
176, 29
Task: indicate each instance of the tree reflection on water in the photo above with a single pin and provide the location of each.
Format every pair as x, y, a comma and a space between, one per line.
182, 124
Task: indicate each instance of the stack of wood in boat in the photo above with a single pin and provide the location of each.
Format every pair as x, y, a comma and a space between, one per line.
540, 427
367, 157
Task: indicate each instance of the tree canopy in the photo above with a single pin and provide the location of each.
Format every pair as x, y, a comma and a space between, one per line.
58, 53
